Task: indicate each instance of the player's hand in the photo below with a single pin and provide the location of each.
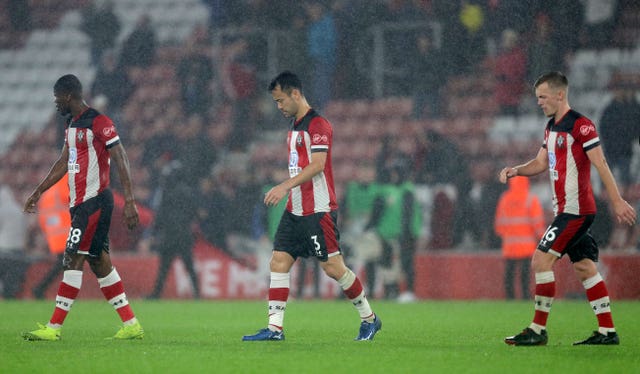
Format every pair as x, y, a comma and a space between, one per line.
274, 195
507, 173
131, 215
625, 212
32, 201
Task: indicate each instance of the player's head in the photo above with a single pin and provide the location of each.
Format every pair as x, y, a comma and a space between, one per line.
551, 91
287, 82
286, 90
66, 89
554, 79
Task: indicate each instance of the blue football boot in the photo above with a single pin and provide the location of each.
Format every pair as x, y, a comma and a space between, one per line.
264, 334
369, 329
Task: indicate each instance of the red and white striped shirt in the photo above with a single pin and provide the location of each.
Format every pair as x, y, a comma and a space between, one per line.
567, 143
88, 138
309, 135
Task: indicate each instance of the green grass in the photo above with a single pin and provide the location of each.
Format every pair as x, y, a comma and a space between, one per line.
205, 336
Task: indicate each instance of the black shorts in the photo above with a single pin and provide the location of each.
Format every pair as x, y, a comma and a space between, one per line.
304, 236
569, 234
90, 221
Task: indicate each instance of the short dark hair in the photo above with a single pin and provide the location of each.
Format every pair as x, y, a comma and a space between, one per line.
68, 84
287, 82
554, 79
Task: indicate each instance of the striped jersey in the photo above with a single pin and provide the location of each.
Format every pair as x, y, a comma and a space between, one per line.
567, 143
88, 138
311, 134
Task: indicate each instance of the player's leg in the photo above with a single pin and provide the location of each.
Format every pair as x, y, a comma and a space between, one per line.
113, 290
83, 218
108, 278
279, 287
67, 293
335, 268
584, 257
287, 239
545, 289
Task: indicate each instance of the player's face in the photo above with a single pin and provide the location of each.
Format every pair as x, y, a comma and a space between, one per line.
285, 102
62, 103
548, 99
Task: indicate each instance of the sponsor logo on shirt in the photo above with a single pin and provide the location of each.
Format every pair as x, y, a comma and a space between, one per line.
108, 131
586, 129
318, 138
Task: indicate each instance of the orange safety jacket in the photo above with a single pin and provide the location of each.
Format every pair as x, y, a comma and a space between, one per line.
53, 215
519, 220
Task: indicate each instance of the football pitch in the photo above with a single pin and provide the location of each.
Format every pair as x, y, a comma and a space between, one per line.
423, 337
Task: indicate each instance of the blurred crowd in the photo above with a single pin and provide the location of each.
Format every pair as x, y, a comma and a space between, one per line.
190, 114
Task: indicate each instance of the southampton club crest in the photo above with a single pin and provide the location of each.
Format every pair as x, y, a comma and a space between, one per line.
560, 142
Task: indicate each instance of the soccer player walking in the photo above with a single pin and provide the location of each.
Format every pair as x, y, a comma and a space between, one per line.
308, 226
91, 140
571, 145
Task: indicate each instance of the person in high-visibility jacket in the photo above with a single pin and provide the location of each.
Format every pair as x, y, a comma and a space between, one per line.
55, 221
519, 221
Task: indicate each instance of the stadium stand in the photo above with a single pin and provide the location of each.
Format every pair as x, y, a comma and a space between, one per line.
30, 62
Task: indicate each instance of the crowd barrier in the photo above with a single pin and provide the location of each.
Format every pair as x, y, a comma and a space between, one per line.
439, 275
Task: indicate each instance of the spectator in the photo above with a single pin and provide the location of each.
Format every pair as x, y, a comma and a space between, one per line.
214, 204
240, 83
620, 129
436, 156
428, 76
322, 52
172, 229
195, 73
543, 54
568, 25
519, 221
19, 14
510, 69
194, 150
13, 236
303, 265
158, 147
463, 40
112, 82
485, 194
599, 21
102, 26
139, 49
396, 219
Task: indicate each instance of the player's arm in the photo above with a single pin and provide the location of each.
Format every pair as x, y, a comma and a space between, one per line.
623, 211
528, 169
315, 167
119, 156
57, 171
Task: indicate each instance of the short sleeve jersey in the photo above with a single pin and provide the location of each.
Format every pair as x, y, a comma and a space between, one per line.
88, 138
309, 135
567, 143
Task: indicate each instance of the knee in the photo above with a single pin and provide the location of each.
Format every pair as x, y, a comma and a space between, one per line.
280, 262
585, 269
71, 262
100, 266
334, 270
95, 264
542, 262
